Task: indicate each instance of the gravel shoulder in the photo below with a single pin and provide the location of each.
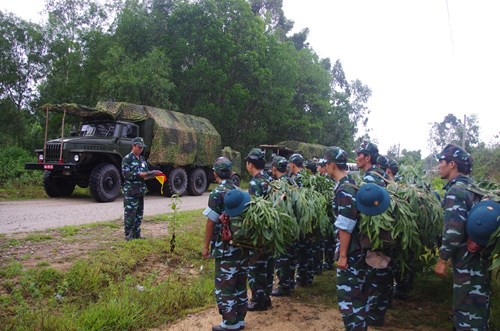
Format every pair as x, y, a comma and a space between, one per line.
43, 214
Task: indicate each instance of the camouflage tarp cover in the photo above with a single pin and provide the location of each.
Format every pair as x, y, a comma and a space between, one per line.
178, 139
234, 156
308, 151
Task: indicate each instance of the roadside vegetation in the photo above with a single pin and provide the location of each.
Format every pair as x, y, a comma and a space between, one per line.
87, 277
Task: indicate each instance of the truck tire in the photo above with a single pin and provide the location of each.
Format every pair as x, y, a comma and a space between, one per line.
236, 179
57, 186
197, 182
105, 182
177, 182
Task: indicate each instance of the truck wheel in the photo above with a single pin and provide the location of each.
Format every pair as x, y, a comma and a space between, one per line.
105, 182
236, 179
57, 186
197, 182
177, 182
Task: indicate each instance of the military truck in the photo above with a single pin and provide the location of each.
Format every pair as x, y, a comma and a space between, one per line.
182, 146
289, 147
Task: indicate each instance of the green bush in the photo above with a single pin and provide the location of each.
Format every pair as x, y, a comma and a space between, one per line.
12, 167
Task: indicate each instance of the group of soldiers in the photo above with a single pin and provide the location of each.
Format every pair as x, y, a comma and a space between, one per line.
365, 278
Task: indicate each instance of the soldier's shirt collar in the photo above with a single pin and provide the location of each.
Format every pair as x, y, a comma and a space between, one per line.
458, 178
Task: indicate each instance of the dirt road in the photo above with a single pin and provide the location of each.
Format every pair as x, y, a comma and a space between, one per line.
41, 214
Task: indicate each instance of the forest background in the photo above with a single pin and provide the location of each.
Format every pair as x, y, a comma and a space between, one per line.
234, 62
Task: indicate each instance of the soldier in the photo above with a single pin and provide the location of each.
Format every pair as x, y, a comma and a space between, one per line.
304, 251
379, 280
261, 265
231, 262
135, 171
392, 170
329, 241
285, 269
351, 265
471, 278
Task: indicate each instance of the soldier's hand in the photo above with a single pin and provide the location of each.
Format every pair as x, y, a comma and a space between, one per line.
441, 268
342, 263
206, 252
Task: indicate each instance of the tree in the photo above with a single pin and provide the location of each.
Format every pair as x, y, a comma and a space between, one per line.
22, 51
450, 130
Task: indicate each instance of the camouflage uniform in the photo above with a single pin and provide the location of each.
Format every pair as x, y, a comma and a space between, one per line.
285, 268
471, 278
379, 281
261, 264
304, 250
231, 265
134, 190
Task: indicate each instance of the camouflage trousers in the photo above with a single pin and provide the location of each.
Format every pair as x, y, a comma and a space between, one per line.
329, 251
285, 270
133, 213
305, 262
261, 275
380, 284
404, 280
317, 254
352, 292
231, 288
471, 290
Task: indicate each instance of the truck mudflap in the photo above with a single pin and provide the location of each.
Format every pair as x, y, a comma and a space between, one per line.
51, 166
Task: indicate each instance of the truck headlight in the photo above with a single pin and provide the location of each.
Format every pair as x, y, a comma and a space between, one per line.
76, 157
40, 157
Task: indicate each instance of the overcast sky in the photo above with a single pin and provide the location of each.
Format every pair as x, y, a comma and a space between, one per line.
418, 68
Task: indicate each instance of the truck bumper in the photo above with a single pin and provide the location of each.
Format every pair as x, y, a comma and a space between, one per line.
51, 167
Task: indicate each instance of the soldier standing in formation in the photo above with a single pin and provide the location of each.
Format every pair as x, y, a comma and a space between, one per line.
231, 262
285, 269
261, 265
471, 278
380, 280
134, 171
351, 266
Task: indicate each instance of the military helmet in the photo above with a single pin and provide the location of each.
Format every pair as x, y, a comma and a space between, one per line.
368, 148
482, 220
336, 155
222, 165
280, 163
235, 202
372, 199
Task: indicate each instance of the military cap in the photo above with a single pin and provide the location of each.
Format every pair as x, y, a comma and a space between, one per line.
393, 165
255, 154
321, 162
367, 148
482, 220
280, 163
455, 153
235, 202
372, 199
139, 142
311, 165
296, 159
222, 164
382, 162
336, 155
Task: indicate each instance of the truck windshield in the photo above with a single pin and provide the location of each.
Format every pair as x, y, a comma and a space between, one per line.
97, 130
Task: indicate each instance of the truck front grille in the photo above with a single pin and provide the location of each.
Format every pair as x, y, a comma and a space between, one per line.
52, 152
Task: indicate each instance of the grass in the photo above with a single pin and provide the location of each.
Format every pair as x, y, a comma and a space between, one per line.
125, 285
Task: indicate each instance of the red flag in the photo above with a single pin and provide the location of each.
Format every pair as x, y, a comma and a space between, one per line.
162, 178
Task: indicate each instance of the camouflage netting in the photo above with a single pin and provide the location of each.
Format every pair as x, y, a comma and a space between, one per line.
308, 151
234, 156
178, 139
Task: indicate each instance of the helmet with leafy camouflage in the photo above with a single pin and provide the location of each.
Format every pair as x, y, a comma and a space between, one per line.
297, 159
222, 166
336, 155
280, 163
455, 153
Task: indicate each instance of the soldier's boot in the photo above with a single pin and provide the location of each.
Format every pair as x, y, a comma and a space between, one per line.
221, 328
137, 235
129, 235
259, 304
